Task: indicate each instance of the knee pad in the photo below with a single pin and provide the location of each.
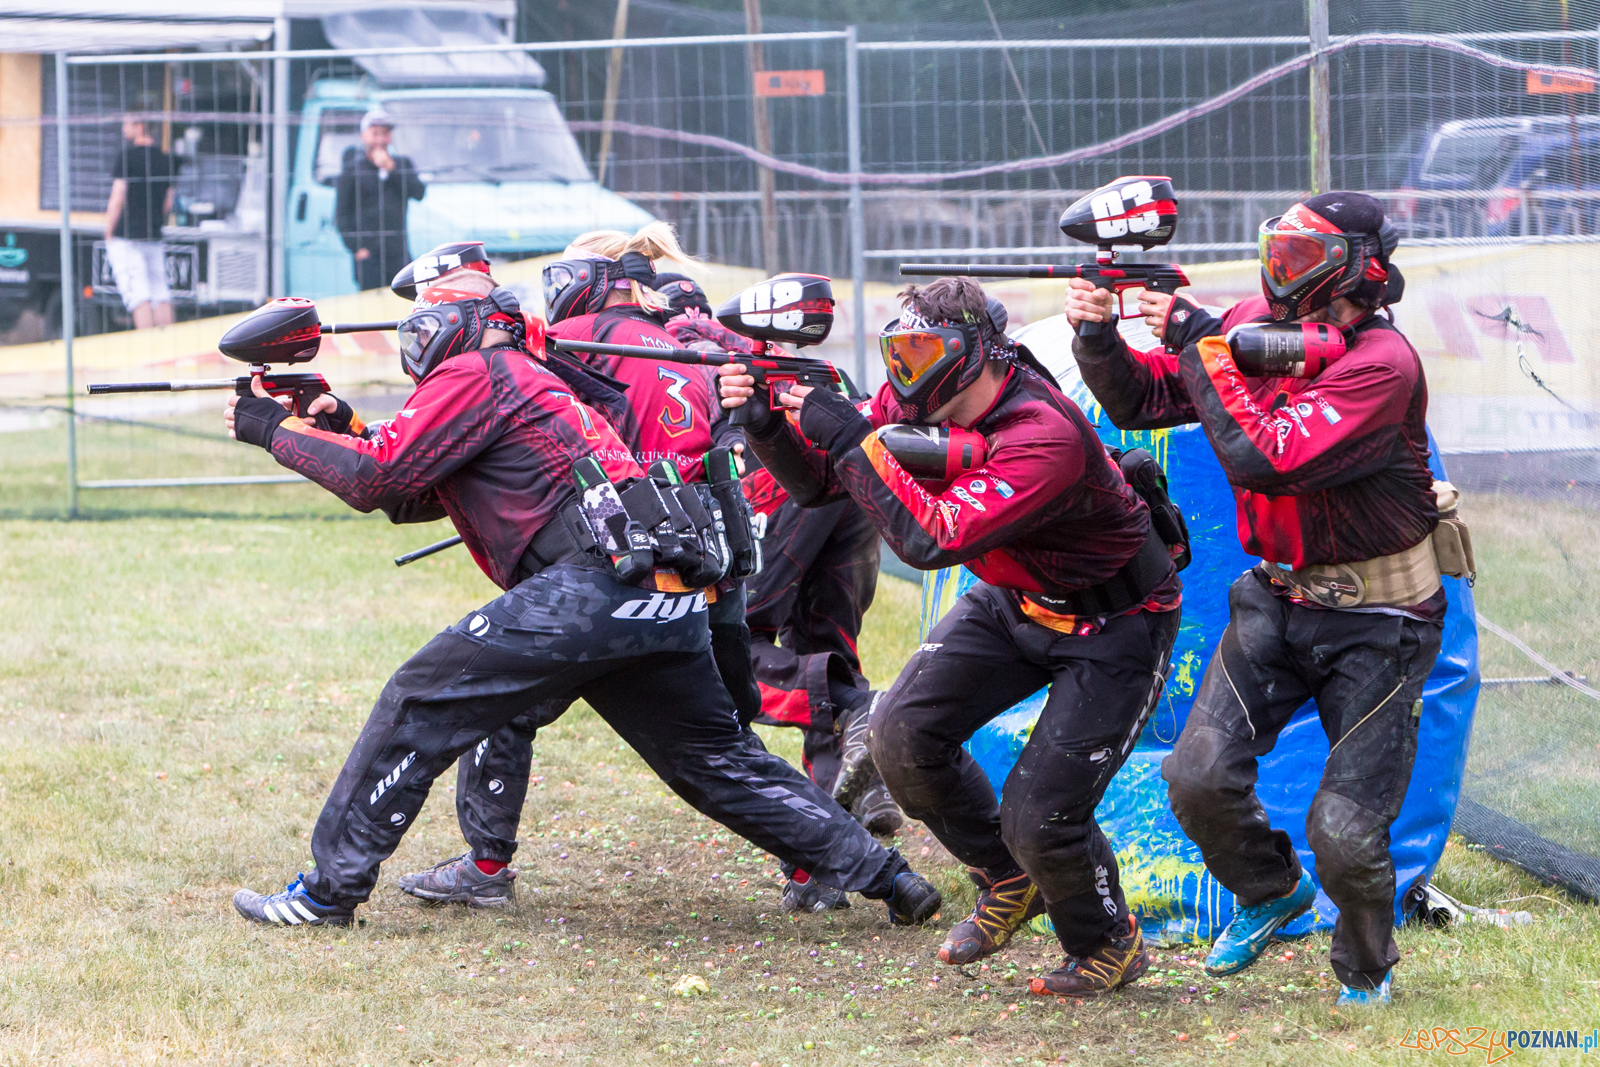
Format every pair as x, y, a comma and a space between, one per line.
1351, 844
1195, 770
1039, 824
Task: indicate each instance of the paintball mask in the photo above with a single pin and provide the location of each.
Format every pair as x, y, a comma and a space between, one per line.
575, 287
1332, 245
448, 322
929, 362
682, 293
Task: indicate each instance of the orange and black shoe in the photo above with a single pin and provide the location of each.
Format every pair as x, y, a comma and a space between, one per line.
1003, 906
1118, 962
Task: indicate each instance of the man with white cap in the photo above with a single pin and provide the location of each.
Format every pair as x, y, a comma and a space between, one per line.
372, 192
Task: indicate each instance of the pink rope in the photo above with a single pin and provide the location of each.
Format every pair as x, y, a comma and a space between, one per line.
1132, 137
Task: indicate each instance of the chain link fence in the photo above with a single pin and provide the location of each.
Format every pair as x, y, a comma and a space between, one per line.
854, 155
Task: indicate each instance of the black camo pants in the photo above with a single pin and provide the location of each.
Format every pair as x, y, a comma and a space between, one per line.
983, 657
492, 779
642, 660
1366, 672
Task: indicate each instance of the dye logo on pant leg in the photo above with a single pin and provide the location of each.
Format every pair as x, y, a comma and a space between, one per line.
391, 778
661, 607
759, 785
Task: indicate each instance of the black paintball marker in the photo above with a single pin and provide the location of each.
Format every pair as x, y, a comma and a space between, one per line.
1139, 211
795, 309
286, 330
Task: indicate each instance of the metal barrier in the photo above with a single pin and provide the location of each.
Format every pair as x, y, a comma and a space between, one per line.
667, 122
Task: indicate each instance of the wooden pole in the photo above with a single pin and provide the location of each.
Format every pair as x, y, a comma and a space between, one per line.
1321, 154
763, 123
619, 31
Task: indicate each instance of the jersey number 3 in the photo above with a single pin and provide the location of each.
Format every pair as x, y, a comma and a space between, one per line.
677, 417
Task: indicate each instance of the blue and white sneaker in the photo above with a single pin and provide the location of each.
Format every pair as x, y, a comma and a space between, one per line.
1366, 998
1246, 936
292, 907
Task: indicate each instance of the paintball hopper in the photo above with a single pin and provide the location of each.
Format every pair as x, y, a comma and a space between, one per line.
1138, 210
286, 330
436, 263
795, 309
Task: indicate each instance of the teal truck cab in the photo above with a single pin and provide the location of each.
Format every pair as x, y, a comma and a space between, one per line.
500, 166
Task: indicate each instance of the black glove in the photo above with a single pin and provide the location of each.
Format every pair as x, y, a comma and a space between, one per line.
337, 420
1186, 323
256, 418
832, 423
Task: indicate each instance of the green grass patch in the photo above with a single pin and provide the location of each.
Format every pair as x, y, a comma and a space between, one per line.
177, 694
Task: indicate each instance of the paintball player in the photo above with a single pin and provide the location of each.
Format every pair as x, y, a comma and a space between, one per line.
818, 578
1330, 474
499, 443
1077, 593
601, 290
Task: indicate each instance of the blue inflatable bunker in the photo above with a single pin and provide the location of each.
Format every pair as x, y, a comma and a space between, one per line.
1166, 883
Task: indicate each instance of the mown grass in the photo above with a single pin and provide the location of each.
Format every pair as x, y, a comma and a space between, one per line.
175, 696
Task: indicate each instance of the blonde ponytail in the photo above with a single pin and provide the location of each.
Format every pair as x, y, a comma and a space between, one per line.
655, 241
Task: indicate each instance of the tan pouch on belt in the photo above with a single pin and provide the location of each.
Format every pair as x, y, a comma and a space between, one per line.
1452, 540
1407, 577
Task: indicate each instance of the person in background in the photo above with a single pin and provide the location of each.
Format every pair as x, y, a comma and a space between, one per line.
372, 193
142, 186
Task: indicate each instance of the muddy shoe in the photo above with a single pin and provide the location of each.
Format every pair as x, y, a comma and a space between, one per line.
914, 900
292, 907
876, 810
1003, 906
812, 896
857, 773
1113, 965
458, 881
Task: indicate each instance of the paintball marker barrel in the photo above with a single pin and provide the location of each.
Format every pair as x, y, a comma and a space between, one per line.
692, 356
161, 387
428, 550
990, 270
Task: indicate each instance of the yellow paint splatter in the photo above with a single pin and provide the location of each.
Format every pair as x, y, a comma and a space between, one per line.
1183, 674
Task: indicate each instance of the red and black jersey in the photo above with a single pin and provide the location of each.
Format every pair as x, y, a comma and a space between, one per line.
1048, 512
1332, 469
489, 439
671, 406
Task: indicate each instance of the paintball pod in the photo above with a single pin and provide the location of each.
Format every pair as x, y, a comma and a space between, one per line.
795, 309
1139, 211
286, 330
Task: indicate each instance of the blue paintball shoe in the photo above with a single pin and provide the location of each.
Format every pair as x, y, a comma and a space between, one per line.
1366, 998
292, 907
1246, 936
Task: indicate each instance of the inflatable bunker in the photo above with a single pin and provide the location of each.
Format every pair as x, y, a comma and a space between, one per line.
1167, 886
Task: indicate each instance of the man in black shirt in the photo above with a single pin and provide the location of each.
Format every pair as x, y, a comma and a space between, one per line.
370, 206
141, 197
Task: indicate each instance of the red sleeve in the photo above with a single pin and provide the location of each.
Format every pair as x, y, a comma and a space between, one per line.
806, 472
1276, 437
1031, 462
1137, 390
447, 421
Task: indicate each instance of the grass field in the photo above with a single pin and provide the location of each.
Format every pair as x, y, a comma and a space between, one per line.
176, 695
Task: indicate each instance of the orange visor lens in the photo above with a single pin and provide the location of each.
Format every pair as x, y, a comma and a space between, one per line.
911, 353
1288, 257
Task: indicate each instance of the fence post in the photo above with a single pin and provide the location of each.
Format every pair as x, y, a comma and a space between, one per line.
278, 247
1321, 156
69, 287
766, 180
858, 236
